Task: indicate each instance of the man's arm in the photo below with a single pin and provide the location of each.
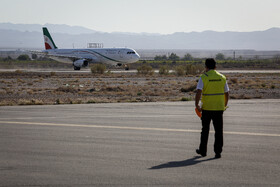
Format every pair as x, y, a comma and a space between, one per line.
226, 98
197, 98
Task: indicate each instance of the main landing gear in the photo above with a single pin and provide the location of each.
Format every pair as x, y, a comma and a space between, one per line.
125, 66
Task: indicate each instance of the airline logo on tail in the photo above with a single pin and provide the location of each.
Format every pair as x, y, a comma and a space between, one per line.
49, 43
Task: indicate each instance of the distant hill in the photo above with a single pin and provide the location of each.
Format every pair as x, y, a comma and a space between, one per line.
30, 36
66, 29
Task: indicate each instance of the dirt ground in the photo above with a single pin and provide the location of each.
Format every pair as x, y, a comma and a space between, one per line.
31, 88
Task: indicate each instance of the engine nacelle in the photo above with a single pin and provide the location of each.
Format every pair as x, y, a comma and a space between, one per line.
80, 63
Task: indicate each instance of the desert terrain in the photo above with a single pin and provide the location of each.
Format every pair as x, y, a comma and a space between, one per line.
37, 88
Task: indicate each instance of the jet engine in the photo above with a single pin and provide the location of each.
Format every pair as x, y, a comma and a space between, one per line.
80, 63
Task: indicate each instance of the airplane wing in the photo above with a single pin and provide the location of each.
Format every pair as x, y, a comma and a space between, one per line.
72, 58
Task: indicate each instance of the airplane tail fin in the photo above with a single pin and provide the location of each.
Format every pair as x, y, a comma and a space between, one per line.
49, 43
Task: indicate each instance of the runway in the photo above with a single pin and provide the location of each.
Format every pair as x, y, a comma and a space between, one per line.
135, 144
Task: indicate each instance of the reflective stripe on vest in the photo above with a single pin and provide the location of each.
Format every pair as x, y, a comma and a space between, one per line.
213, 94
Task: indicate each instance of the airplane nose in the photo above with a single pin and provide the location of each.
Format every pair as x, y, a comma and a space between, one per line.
134, 58
137, 56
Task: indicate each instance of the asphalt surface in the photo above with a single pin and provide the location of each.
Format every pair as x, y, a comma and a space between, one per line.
137, 144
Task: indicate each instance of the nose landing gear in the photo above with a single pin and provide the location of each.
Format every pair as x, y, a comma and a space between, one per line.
126, 67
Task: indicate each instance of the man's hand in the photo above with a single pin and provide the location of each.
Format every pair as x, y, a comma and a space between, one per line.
197, 98
199, 108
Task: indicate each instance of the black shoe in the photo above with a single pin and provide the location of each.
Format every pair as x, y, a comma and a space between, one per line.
218, 155
198, 152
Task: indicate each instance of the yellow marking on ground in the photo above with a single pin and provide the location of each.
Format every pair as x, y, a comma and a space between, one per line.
134, 128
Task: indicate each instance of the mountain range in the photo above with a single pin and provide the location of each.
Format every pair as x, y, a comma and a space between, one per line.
65, 36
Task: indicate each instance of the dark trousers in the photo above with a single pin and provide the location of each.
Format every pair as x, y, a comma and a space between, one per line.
217, 118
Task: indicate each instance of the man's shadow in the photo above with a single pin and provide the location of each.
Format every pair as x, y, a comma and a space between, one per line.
183, 163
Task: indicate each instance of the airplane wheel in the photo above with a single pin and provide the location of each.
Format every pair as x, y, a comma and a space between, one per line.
76, 68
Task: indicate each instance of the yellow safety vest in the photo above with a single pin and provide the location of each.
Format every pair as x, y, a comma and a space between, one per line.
213, 93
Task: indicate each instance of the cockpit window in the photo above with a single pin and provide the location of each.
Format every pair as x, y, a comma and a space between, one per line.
130, 52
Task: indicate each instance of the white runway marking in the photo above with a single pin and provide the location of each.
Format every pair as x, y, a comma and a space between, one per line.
134, 128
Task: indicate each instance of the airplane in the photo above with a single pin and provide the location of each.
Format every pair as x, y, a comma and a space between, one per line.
82, 57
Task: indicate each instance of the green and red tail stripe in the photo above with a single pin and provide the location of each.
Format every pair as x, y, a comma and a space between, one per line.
49, 43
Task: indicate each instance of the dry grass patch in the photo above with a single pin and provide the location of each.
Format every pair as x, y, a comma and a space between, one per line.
66, 89
30, 102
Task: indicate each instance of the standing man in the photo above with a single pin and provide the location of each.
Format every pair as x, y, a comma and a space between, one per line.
215, 94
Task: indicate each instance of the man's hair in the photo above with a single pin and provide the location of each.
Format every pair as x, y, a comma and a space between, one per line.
210, 63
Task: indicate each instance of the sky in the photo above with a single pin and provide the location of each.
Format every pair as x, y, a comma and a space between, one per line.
150, 16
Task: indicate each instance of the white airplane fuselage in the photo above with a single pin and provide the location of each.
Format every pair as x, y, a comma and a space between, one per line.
111, 56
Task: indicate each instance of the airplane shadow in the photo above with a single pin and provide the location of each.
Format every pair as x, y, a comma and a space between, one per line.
183, 163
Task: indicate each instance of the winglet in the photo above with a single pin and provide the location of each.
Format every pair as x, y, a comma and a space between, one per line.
49, 43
